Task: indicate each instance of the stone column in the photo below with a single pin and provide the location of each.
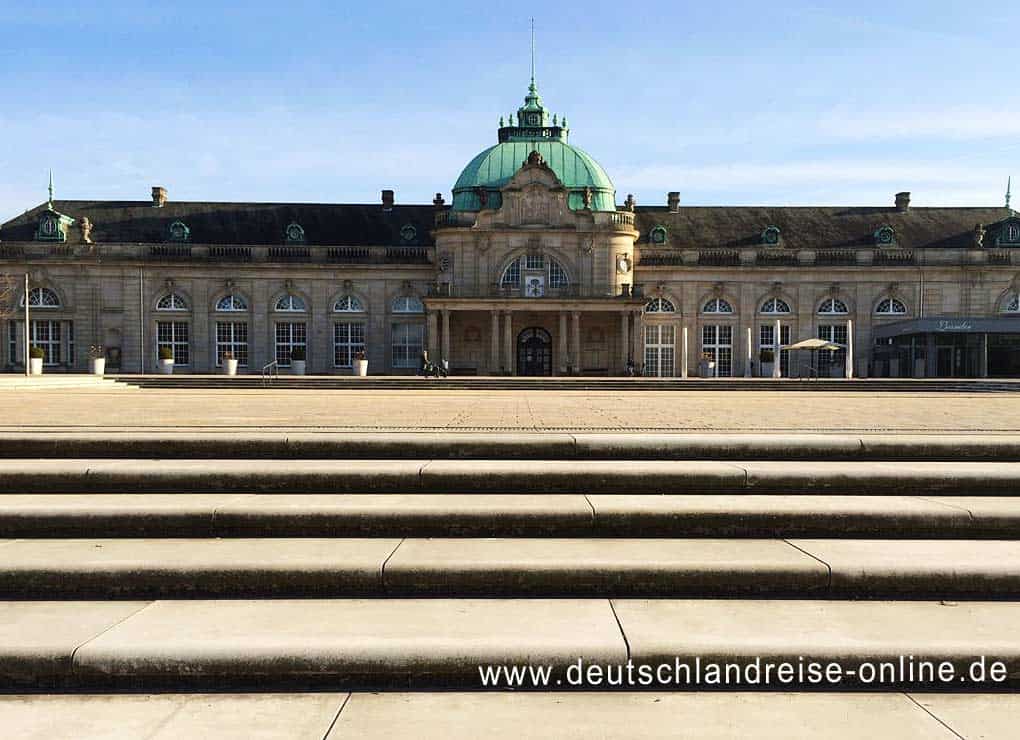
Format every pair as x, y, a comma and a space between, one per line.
563, 343
494, 341
508, 343
624, 340
684, 372
446, 335
637, 337
983, 369
576, 335
849, 371
750, 352
777, 365
433, 338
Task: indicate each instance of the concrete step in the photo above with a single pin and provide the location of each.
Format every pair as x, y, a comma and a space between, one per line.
510, 716
519, 567
504, 515
521, 446
509, 476
441, 643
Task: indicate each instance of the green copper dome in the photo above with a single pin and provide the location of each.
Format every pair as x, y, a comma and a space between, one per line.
492, 169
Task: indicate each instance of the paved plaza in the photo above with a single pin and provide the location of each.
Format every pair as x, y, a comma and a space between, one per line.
116, 407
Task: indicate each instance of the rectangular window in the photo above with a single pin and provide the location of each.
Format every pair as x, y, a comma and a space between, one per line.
46, 334
232, 336
348, 340
534, 261
717, 343
408, 340
174, 334
70, 344
660, 350
12, 342
766, 340
290, 335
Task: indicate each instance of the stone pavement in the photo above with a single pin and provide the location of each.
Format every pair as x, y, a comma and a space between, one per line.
378, 410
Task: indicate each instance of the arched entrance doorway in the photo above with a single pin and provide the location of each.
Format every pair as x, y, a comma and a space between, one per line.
534, 352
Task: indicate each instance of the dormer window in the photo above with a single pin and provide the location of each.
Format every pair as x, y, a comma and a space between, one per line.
408, 233
179, 232
295, 234
771, 236
885, 236
658, 235
52, 227
1009, 234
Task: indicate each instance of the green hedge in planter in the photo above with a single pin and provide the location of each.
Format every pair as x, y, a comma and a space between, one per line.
36, 353
298, 353
165, 353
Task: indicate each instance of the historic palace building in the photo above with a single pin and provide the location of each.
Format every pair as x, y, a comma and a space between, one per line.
532, 269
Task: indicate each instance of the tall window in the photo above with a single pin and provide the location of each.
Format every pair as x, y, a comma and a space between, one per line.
232, 337
660, 305
408, 341
775, 306
46, 335
717, 305
660, 349
767, 341
717, 343
890, 307
829, 359
833, 307
348, 340
174, 334
290, 335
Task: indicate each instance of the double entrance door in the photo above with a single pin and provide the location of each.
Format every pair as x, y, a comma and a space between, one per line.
534, 352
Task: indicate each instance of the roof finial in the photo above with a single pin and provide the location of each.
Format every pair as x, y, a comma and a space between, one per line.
532, 54
1009, 184
50, 202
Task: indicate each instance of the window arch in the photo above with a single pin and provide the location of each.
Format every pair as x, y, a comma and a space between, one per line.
775, 306
1011, 304
511, 276
833, 307
41, 298
348, 304
717, 305
890, 307
231, 302
660, 305
290, 303
407, 304
172, 302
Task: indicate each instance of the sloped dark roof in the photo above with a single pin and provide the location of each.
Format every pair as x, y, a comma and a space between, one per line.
817, 227
237, 223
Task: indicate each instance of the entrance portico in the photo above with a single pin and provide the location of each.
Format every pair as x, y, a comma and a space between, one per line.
532, 336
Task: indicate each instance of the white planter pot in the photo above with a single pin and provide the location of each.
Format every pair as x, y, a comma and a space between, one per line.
766, 370
297, 367
361, 368
166, 367
35, 365
98, 365
230, 367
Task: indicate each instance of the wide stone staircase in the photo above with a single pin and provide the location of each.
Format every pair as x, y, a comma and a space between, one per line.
546, 585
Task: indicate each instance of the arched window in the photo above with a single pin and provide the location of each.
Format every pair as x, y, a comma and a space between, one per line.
890, 307
231, 303
660, 305
717, 305
557, 275
511, 276
407, 304
171, 302
1011, 304
41, 298
833, 307
775, 306
290, 303
348, 304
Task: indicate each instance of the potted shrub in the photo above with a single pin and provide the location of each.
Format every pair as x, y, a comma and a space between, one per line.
229, 363
297, 361
97, 359
35, 360
360, 364
765, 359
166, 360
707, 365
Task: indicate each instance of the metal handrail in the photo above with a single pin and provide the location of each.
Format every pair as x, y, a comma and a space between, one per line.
270, 372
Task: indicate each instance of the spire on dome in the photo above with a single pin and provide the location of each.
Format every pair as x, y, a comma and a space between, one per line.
50, 201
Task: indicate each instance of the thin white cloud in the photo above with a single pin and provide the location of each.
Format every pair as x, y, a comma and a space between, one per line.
951, 124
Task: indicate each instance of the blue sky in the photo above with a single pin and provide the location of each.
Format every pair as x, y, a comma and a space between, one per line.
782, 103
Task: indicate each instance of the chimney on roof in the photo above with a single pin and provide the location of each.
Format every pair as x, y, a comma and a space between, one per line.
438, 202
387, 200
673, 201
158, 196
903, 201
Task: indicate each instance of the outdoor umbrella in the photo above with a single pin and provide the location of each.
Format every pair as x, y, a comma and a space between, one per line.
813, 345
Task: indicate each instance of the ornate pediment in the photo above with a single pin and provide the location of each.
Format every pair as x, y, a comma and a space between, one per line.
535, 196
